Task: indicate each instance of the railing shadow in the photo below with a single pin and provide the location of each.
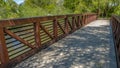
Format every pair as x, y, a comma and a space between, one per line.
90, 47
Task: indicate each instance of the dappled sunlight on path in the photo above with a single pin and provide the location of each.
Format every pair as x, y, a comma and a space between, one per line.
88, 47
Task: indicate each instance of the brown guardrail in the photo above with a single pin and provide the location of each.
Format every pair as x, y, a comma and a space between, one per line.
115, 22
21, 38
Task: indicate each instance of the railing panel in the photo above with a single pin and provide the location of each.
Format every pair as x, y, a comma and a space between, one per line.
21, 38
61, 27
70, 24
115, 22
15, 47
46, 31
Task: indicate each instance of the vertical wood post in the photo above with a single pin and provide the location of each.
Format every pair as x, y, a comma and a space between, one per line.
73, 23
78, 21
37, 34
87, 18
80, 24
91, 18
83, 20
55, 29
95, 16
3, 48
66, 26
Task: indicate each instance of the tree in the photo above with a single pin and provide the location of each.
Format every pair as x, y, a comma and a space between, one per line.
103, 7
27, 10
42, 8
8, 9
30, 8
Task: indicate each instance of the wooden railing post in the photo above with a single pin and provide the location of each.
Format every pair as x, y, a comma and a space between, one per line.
95, 16
78, 20
73, 23
3, 48
83, 20
66, 26
91, 17
37, 34
55, 29
86, 19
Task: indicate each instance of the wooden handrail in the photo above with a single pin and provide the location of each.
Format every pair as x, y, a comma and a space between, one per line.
16, 45
116, 17
115, 22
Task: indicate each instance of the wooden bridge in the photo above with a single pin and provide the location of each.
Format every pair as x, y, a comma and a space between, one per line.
22, 38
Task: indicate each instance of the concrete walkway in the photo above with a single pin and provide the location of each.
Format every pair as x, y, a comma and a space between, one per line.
89, 47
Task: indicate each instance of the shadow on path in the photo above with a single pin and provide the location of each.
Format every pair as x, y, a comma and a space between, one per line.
89, 47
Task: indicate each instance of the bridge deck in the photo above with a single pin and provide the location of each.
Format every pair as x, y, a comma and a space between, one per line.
89, 47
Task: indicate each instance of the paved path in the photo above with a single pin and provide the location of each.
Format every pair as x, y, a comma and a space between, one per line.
89, 47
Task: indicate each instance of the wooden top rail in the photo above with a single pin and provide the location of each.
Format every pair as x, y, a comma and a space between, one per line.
21, 38
116, 17
13, 22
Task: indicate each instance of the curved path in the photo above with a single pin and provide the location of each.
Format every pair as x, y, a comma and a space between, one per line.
89, 47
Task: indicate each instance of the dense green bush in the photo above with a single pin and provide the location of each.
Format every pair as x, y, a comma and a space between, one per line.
30, 8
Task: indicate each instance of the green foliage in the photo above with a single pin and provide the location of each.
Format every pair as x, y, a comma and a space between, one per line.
30, 11
30, 8
8, 9
103, 7
116, 10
